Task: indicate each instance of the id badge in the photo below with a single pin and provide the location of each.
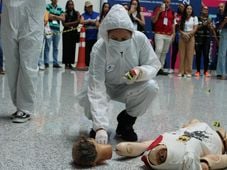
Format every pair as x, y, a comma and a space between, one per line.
165, 21
54, 22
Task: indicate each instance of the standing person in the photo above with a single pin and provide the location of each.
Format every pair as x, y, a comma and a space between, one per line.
47, 34
188, 27
221, 8
72, 20
175, 44
56, 15
90, 20
222, 52
136, 15
1, 53
122, 67
164, 29
22, 32
203, 40
105, 9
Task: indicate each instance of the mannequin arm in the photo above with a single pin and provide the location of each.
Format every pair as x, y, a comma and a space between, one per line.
215, 161
132, 149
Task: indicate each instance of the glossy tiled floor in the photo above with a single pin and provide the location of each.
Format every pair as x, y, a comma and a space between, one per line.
46, 141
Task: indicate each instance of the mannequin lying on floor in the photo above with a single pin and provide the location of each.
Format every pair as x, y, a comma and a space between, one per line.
195, 146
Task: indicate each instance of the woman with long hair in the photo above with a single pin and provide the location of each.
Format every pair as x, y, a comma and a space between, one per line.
104, 11
136, 15
72, 20
188, 27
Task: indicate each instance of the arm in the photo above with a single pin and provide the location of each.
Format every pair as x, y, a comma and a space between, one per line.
132, 149
72, 24
141, 21
97, 95
214, 161
223, 23
157, 12
149, 63
212, 30
195, 27
56, 17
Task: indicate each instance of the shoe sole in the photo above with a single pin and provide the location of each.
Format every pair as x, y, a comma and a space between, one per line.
19, 120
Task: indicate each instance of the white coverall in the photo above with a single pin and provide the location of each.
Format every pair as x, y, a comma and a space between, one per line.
107, 69
186, 146
22, 38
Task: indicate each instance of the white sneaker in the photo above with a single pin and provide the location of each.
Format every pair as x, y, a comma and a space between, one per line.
171, 71
180, 75
188, 75
41, 67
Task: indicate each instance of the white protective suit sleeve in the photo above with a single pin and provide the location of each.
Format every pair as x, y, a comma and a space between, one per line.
148, 61
97, 95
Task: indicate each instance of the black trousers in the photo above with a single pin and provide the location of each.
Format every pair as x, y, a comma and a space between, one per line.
88, 48
202, 48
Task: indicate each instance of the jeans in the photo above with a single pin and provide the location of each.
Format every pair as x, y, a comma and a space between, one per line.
222, 54
55, 38
41, 54
1, 53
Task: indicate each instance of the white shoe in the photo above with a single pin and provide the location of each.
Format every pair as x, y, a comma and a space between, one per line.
171, 71
180, 75
188, 75
41, 67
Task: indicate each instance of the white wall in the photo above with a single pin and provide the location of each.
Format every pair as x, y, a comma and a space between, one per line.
79, 6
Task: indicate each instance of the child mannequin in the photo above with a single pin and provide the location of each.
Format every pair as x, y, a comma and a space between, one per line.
195, 146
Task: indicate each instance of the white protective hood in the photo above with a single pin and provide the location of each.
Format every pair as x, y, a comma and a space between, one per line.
117, 17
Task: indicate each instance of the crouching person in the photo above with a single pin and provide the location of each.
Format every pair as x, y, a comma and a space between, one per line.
122, 66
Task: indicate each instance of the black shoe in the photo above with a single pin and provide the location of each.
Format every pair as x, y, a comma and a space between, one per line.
56, 66
13, 115
21, 117
92, 134
161, 72
219, 76
125, 127
46, 65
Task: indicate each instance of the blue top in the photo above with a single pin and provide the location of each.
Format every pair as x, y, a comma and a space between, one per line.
91, 29
0, 6
219, 19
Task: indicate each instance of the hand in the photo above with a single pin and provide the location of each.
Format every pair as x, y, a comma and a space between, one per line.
133, 74
101, 136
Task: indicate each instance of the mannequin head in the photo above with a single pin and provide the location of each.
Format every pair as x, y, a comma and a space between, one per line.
158, 155
87, 152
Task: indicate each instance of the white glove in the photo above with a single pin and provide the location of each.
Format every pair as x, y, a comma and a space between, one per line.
101, 137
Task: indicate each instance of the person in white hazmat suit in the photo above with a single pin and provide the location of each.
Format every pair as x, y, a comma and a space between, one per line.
122, 66
195, 146
22, 35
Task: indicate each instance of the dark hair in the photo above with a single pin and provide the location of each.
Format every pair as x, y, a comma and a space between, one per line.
102, 15
184, 16
67, 4
225, 10
138, 9
84, 152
